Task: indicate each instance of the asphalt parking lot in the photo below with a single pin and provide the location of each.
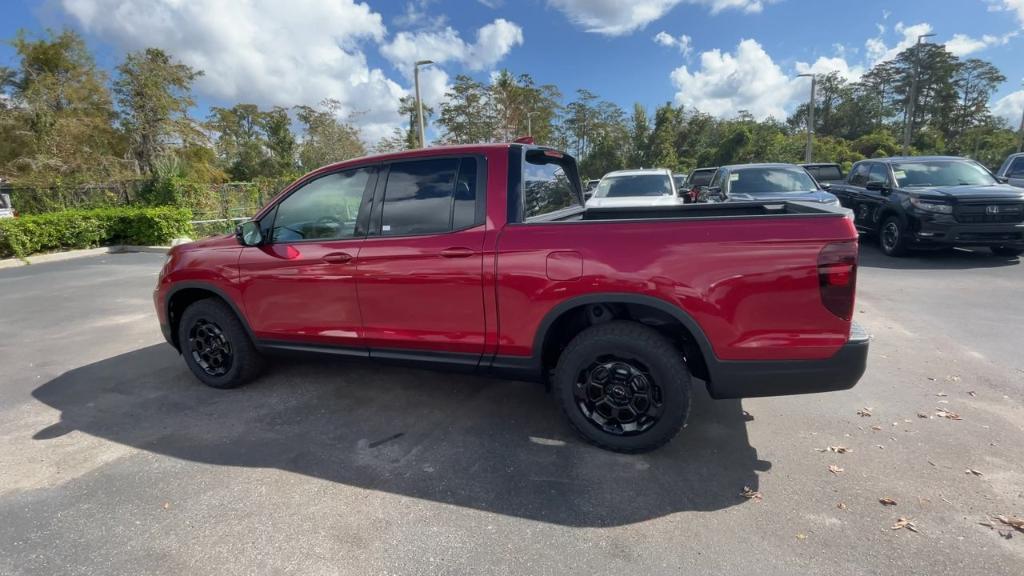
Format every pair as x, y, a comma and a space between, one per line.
114, 460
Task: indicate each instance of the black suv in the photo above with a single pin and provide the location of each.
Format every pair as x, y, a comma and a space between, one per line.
933, 201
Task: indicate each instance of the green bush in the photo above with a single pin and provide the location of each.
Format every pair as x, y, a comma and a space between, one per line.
90, 228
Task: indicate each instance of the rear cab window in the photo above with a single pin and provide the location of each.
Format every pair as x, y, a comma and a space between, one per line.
550, 185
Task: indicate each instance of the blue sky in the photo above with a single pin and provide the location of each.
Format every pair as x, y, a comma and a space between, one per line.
718, 55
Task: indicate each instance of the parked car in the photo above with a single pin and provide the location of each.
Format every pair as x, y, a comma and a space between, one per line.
1012, 170
588, 188
679, 181
825, 173
6, 209
934, 201
648, 187
697, 181
767, 183
482, 258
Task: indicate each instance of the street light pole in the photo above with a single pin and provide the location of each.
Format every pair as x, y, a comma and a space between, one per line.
913, 95
529, 123
419, 101
809, 153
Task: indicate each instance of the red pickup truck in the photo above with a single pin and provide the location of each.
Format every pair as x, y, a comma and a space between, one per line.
482, 258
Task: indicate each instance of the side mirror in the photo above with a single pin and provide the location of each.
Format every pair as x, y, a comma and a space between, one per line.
249, 234
1002, 179
826, 186
875, 185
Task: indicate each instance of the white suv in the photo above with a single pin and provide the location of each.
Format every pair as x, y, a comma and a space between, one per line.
630, 188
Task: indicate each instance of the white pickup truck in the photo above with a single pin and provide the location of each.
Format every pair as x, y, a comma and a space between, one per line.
631, 188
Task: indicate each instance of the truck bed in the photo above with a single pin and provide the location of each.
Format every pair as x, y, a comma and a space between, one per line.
711, 211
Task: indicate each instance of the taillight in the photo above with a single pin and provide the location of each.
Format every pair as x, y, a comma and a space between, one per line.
837, 277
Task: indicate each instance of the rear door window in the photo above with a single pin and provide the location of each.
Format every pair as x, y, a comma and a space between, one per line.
430, 196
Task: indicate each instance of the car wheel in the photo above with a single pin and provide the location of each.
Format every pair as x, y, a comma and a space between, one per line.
892, 237
1006, 251
216, 346
623, 387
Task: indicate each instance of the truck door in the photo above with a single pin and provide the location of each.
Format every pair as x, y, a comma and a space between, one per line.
420, 270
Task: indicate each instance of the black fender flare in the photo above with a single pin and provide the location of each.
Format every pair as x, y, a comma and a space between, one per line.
207, 287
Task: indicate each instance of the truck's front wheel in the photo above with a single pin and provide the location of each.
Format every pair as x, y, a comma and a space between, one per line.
216, 347
623, 386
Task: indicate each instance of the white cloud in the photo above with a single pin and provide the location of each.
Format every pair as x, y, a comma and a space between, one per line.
962, 44
1015, 6
729, 82
824, 65
878, 51
683, 43
260, 51
618, 17
1010, 108
493, 42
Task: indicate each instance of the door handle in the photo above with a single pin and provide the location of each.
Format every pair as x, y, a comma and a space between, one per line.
338, 258
458, 252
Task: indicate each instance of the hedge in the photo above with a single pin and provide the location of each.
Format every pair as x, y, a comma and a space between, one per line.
90, 228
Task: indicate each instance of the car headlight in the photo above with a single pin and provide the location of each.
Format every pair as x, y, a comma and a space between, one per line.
932, 206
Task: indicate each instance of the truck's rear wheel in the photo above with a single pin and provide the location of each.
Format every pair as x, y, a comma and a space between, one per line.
216, 346
623, 386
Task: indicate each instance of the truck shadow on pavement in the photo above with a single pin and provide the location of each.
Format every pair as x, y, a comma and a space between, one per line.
871, 256
492, 445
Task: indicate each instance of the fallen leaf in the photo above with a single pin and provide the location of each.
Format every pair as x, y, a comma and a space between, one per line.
931, 379
922, 415
973, 394
887, 501
942, 394
876, 428
864, 412
1012, 521
841, 506
943, 413
987, 524
834, 469
839, 449
879, 446
902, 522
167, 505
801, 536
973, 471
943, 401
751, 494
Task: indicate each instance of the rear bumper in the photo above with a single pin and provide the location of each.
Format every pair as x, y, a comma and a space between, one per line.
735, 379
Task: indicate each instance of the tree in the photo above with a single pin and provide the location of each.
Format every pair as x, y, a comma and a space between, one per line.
411, 136
974, 80
466, 113
154, 94
639, 134
59, 121
240, 142
280, 142
326, 138
662, 144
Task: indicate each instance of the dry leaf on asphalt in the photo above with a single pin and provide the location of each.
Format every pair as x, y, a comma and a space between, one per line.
922, 415
973, 471
1012, 521
750, 494
841, 506
834, 469
864, 412
942, 394
902, 522
836, 449
943, 413
876, 428
887, 501
801, 536
973, 394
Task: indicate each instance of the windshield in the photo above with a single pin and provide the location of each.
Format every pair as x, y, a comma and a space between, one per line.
635, 185
701, 178
941, 173
770, 181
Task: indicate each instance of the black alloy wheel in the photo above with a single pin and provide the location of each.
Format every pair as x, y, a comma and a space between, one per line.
618, 396
210, 348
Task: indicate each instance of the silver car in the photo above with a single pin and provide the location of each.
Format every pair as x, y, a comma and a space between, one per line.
1013, 170
6, 210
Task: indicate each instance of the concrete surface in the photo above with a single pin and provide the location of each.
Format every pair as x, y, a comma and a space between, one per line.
114, 460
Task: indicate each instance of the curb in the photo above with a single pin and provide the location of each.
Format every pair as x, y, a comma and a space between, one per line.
72, 254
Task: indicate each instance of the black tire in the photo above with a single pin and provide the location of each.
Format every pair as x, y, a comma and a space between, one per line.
216, 346
892, 237
1006, 251
659, 369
